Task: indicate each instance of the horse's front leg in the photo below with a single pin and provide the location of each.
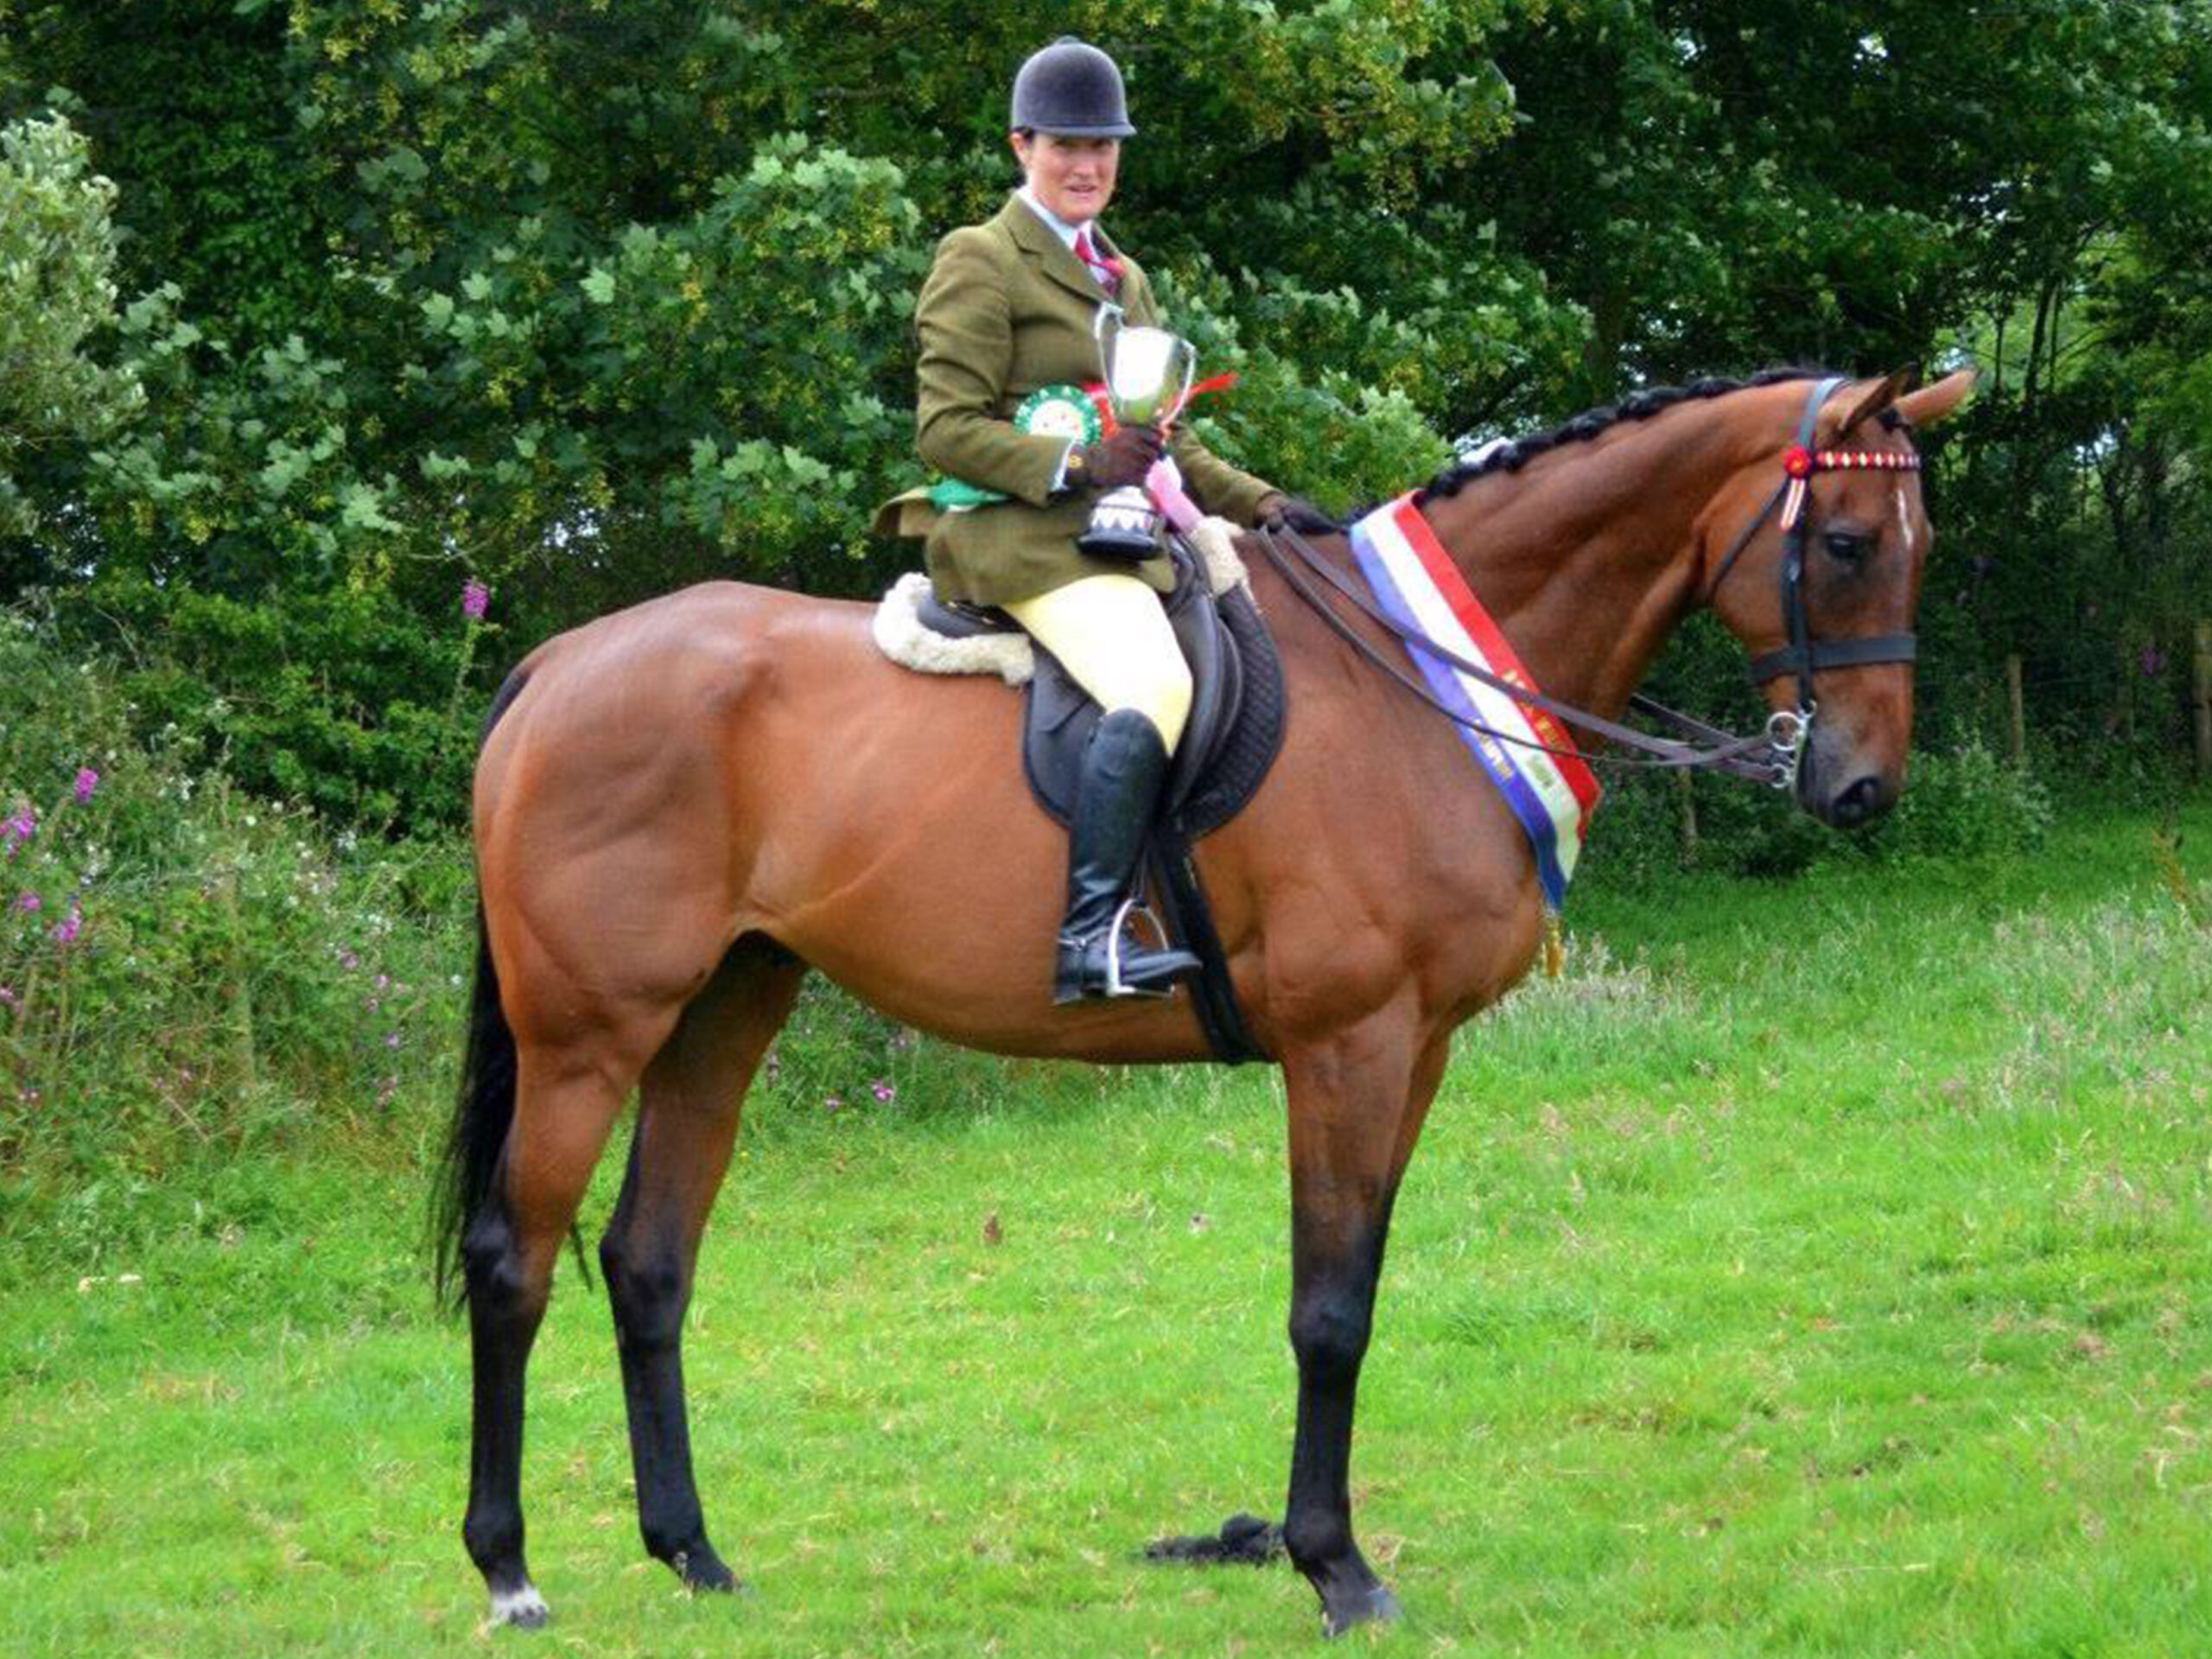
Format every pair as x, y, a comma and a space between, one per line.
1356, 1106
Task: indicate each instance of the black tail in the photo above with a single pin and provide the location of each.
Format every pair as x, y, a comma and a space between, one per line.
485, 1105
483, 1109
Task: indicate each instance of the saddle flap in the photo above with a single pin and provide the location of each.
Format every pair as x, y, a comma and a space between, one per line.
1217, 686
1230, 739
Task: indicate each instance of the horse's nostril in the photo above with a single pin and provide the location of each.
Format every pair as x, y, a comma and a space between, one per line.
1859, 802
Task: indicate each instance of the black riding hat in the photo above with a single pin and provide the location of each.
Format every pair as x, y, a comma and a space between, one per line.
1071, 90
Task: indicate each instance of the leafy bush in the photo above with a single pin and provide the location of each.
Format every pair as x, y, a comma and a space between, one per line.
1962, 802
57, 255
1965, 804
181, 965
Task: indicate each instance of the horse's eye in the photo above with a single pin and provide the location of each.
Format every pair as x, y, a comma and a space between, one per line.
1845, 546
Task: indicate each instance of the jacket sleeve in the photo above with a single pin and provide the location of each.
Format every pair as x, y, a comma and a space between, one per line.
1219, 487
967, 353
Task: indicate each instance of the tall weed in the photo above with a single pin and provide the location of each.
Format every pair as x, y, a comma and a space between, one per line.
182, 965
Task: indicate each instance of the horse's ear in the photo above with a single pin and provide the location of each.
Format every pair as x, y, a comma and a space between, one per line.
1931, 403
1878, 396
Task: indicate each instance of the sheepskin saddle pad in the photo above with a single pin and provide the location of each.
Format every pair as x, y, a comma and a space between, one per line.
1237, 705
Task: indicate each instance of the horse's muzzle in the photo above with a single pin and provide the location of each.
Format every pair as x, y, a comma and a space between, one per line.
1845, 795
1860, 801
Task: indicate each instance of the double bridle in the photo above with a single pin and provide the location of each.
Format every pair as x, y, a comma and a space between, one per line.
1804, 654
1774, 756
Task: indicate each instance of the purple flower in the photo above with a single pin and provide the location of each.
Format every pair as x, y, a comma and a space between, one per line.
65, 930
8, 996
391, 1039
2151, 661
348, 959
831, 1102
88, 781
19, 826
26, 901
475, 599
884, 1093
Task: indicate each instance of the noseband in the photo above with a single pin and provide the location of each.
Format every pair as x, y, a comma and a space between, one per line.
1804, 654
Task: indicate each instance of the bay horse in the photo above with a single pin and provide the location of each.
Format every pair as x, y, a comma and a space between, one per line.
682, 808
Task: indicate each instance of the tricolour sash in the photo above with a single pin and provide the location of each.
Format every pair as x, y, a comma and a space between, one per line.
1416, 583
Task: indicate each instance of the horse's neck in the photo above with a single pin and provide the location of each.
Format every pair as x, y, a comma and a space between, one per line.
1588, 559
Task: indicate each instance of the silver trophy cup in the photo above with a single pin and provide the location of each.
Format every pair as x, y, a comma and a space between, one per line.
1148, 372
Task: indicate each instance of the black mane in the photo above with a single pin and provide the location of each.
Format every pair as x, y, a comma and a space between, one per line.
1514, 454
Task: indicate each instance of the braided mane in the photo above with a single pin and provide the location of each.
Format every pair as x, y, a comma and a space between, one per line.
1512, 454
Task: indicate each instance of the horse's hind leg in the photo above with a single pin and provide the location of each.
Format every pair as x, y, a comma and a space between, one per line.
566, 1099
687, 1123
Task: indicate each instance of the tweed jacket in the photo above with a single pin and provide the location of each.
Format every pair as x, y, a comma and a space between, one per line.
1008, 308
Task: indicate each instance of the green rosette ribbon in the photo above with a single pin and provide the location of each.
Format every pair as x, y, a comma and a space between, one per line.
1057, 411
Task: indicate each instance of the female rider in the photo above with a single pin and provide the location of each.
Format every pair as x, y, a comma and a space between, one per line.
1009, 311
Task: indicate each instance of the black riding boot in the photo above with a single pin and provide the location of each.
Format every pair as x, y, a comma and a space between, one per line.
1122, 770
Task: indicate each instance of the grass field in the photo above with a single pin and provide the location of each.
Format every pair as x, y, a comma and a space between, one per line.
1817, 1268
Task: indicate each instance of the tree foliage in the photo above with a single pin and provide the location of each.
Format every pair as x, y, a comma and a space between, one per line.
57, 287
588, 299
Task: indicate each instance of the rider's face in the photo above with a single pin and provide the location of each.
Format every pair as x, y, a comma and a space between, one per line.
1073, 177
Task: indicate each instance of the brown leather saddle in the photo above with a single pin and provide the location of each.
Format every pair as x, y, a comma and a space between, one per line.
1233, 734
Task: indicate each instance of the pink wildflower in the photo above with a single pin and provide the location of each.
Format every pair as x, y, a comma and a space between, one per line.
884, 1093
475, 599
26, 901
65, 930
88, 781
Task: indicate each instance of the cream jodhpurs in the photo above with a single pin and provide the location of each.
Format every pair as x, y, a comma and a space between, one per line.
1112, 636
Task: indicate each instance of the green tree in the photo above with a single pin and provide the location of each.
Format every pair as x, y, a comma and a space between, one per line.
57, 292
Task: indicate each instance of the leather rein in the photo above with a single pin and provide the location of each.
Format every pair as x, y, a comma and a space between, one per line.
1774, 756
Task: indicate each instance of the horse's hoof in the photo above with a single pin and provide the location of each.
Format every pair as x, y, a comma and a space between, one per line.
701, 1569
522, 1608
1372, 1606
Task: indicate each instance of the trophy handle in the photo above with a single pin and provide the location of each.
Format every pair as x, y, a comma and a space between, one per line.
1189, 354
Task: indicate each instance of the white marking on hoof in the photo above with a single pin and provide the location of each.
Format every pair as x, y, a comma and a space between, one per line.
525, 1608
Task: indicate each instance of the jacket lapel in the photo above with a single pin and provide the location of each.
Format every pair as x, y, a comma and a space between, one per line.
1048, 253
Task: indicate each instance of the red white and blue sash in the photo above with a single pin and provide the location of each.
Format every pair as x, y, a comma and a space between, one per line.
1416, 583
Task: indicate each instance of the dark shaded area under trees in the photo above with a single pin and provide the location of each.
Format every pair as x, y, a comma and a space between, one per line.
589, 301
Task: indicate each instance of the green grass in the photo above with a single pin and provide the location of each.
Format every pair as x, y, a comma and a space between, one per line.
1817, 1267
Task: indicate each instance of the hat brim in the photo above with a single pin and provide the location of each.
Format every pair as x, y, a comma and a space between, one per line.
1122, 130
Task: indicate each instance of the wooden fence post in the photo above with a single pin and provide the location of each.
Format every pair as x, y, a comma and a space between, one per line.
2016, 713
1686, 797
2203, 683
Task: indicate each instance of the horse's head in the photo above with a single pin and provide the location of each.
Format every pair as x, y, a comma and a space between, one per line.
1813, 553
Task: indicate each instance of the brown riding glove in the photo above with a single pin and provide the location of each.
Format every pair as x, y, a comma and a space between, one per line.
1123, 458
